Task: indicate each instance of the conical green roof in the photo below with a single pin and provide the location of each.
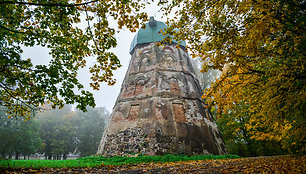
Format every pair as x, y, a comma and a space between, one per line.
151, 34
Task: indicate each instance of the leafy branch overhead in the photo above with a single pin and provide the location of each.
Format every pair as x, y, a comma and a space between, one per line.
56, 25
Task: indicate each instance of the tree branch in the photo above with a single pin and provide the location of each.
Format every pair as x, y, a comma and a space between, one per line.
3, 86
47, 5
295, 75
15, 31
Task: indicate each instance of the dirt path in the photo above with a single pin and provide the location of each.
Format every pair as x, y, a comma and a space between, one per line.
277, 164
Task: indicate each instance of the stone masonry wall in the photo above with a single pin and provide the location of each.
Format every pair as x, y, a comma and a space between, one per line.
159, 109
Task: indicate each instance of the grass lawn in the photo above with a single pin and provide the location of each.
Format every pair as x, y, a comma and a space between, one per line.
94, 161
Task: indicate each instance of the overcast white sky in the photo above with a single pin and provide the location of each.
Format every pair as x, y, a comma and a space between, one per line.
107, 95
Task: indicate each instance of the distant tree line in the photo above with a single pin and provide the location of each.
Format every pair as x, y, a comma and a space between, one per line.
54, 133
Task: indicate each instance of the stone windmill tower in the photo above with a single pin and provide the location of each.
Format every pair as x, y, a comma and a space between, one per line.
159, 109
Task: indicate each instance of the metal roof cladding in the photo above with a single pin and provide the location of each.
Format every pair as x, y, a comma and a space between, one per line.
151, 34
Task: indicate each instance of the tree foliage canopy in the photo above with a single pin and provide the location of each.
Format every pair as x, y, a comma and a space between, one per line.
64, 131
18, 136
260, 47
54, 133
56, 25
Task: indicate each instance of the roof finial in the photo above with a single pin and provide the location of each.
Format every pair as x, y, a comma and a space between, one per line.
152, 22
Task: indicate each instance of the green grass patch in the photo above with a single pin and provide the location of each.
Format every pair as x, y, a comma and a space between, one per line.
36, 164
94, 161
120, 160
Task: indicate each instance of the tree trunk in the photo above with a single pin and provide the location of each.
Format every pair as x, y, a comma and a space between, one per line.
3, 155
4, 151
16, 156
